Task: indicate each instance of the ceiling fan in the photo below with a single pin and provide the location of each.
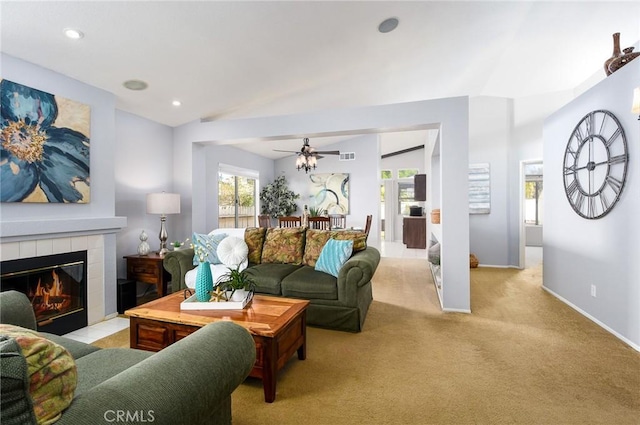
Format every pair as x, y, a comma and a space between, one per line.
308, 156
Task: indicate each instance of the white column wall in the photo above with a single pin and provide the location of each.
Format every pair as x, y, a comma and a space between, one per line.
452, 115
579, 253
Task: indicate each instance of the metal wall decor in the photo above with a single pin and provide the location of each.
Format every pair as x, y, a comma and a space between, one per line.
480, 188
595, 164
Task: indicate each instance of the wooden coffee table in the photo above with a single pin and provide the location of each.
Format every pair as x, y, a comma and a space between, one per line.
278, 327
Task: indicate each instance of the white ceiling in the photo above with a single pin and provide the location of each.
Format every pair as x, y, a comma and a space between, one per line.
243, 59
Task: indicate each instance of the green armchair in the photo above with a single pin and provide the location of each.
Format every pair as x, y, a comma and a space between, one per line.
201, 371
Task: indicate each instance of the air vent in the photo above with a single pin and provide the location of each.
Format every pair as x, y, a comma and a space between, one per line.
347, 156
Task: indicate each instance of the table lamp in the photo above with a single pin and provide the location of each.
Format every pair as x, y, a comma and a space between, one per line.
163, 203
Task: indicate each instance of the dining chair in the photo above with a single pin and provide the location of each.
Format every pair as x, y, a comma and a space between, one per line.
264, 220
322, 223
338, 221
367, 226
289, 221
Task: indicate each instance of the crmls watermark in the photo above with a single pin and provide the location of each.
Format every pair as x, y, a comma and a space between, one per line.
141, 416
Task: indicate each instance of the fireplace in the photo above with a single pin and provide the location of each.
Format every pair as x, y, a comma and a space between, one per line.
56, 285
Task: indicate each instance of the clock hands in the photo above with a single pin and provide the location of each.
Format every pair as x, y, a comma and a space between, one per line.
592, 165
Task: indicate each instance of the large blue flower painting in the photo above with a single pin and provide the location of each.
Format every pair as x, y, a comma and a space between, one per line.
44, 153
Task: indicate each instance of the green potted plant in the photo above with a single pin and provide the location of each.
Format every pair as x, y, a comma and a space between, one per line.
177, 245
277, 200
236, 283
316, 212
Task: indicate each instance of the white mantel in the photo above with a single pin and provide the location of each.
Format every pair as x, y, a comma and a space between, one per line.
23, 230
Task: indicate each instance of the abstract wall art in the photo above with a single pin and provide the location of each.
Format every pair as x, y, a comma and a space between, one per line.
44, 146
479, 188
330, 192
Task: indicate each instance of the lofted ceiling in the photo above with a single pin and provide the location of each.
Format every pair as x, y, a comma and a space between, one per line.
238, 59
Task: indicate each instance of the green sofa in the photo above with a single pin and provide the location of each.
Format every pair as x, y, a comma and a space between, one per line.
335, 303
189, 382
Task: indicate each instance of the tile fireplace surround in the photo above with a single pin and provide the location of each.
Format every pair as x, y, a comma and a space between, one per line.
17, 242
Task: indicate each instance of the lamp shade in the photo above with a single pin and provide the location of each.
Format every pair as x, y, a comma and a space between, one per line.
163, 203
635, 109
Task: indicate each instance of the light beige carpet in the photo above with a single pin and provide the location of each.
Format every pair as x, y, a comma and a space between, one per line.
521, 357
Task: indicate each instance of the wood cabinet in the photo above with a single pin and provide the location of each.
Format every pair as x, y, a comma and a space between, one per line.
420, 187
414, 232
148, 269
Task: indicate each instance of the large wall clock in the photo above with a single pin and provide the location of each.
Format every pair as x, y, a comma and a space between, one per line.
595, 164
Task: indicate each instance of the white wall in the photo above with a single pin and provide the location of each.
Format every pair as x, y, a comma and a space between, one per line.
143, 165
490, 128
579, 253
101, 207
102, 141
529, 114
364, 182
450, 115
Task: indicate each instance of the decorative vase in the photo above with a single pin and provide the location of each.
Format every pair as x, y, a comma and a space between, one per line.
623, 59
143, 247
204, 282
616, 53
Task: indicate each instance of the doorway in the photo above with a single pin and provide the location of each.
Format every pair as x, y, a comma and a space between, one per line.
236, 198
531, 213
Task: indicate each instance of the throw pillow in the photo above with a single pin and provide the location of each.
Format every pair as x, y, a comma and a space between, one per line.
334, 254
315, 240
233, 251
434, 254
205, 248
254, 237
51, 372
17, 408
284, 245
359, 238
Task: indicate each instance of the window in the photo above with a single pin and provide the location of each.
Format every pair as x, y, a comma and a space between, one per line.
406, 196
405, 173
533, 194
386, 174
236, 197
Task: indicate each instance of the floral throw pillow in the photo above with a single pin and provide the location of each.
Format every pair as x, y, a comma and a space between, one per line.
254, 237
205, 248
51, 372
359, 238
315, 240
283, 245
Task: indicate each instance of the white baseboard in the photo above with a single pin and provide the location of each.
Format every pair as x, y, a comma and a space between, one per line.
111, 316
593, 319
456, 310
499, 267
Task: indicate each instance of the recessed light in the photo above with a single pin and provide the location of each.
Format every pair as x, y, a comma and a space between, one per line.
176, 103
135, 85
388, 25
73, 34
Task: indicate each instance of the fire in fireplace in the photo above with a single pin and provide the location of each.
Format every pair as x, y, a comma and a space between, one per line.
56, 287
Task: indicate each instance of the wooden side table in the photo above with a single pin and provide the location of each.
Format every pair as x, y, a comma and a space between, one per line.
148, 269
